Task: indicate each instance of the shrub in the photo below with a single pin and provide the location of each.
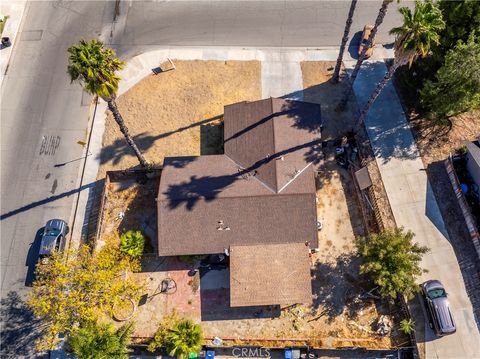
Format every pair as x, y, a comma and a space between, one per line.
407, 326
96, 341
132, 243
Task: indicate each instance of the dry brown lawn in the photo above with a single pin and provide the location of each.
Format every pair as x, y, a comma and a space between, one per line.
177, 113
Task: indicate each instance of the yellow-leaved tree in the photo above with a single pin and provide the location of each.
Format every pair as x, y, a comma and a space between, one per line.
70, 294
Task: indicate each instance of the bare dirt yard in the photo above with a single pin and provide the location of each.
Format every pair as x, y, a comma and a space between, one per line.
179, 112
318, 89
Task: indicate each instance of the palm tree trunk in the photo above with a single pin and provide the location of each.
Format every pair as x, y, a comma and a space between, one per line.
346, 32
112, 106
388, 76
381, 15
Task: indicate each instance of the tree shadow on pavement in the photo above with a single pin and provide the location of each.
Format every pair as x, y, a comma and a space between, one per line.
353, 45
20, 328
386, 123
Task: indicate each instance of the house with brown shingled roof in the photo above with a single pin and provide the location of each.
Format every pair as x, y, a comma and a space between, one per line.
255, 202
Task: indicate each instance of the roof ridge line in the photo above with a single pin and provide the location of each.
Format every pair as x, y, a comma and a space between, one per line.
255, 177
294, 177
272, 120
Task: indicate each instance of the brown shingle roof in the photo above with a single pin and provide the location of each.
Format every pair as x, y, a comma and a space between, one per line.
262, 200
273, 137
190, 207
270, 274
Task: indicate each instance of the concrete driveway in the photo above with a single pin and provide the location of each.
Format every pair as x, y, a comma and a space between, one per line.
414, 207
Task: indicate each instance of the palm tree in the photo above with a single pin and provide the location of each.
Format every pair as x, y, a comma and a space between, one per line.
381, 15
185, 338
94, 66
346, 32
414, 38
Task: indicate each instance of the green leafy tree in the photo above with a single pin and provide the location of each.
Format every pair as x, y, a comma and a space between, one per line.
159, 339
132, 243
462, 18
101, 341
407, 326
456, 88
70, 294
95, 67
392, 260
414, 38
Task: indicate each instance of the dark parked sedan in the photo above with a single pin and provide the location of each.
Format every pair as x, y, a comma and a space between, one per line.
438, 307
53, 238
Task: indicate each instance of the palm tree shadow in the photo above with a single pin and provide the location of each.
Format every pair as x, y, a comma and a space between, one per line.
386, 124
120, 149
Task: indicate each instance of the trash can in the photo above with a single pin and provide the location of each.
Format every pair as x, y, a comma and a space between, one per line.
210, 354
288, 354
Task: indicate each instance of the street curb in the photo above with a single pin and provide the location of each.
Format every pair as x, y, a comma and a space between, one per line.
15, 10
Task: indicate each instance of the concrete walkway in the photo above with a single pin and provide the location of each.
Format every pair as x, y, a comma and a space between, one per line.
414, 207
14, 10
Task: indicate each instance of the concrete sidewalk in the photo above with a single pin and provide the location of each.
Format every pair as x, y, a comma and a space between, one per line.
414, 207
14, 10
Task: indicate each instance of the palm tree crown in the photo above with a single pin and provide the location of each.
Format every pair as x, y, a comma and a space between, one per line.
419, 31
184, 339
414, 38
95, 65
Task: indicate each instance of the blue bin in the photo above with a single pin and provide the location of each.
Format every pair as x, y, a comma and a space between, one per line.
288, 354
210, 354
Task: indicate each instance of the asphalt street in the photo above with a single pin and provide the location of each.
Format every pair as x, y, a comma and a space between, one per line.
44, 117
246, 23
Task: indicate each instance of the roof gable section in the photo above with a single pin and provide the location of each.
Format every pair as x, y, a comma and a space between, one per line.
249, 138
190, 179
274, 139
297, 138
